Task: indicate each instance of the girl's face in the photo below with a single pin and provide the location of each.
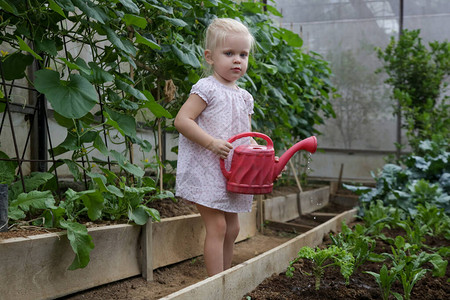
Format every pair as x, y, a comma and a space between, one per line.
230, 59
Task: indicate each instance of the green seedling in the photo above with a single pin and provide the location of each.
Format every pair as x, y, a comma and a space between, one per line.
408, 262
385, 280
322, 259
357, 243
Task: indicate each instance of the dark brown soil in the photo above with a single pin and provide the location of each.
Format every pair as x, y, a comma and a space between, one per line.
361, 286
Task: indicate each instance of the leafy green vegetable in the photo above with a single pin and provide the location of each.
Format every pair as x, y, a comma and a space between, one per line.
385, 279
324, 258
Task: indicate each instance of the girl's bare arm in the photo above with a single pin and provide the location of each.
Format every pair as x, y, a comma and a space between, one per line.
252, 141
186, 125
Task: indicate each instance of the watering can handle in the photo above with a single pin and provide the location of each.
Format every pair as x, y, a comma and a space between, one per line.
239, 136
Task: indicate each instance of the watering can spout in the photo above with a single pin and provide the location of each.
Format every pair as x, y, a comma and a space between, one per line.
308, 144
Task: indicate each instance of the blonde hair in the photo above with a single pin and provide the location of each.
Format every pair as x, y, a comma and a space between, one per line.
219, 29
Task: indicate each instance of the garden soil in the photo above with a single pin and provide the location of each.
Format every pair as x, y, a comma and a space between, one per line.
362, 286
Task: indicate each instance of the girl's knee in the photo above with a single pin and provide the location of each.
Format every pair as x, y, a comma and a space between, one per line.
218, 227
233, 229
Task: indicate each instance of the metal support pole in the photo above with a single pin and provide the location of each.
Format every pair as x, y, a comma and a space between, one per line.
3, 207
399, 106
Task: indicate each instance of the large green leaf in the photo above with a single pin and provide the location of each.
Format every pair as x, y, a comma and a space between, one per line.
145, 41
126, 123
9, 6
32, 182
122, 44
46, 45
35, 199
91, 10
186, 56
66, 4
155, 107
81, 243
138, 215
73, 168
135, 20
291, 38
94, 201
14, 65
24, 46
130, 6
174, 21
15, 213
99, 74
7, 169
130, 89
72, 99
53, 5
100, 145
126, 165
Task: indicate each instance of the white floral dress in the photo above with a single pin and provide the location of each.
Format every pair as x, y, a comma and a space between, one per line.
199, 177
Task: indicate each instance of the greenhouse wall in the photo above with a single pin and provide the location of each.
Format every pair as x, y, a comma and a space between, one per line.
345, 33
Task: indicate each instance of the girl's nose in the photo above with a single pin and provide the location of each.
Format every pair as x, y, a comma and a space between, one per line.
237, 59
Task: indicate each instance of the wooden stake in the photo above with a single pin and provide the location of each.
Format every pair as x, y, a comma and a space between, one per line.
295, 174
161, 169
259, 213
340, 177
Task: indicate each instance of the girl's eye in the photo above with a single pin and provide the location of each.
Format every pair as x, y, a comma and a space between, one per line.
244, 54
228, 53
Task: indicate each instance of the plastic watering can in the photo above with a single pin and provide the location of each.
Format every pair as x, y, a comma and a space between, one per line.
253, 167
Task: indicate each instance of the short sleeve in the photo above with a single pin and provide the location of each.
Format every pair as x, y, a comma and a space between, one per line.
203, 89
249, 102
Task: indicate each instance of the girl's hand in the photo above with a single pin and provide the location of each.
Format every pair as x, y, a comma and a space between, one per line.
220, 147
282, 171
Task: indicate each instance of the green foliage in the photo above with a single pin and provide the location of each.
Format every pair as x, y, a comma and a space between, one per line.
417, 74
7, 169
435, 220
356, 242
407, 264
127, 53
324, 258
425, 179
81, 243
385, 279
408, 261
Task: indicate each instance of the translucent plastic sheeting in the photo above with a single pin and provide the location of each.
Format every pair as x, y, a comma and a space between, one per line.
345, 33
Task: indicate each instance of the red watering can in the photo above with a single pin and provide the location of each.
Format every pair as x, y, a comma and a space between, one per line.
253, 167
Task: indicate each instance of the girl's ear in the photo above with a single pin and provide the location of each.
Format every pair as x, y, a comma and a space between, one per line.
208, 56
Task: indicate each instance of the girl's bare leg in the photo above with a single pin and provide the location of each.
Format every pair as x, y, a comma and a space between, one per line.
216, 227
231, 234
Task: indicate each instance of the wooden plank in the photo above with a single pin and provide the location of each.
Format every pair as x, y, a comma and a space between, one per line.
288, 226
322, 216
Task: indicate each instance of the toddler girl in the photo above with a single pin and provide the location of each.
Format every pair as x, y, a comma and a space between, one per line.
216, 110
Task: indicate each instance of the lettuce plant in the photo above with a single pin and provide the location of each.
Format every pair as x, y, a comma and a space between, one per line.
408, 260
322, 259
357, 243
437, 222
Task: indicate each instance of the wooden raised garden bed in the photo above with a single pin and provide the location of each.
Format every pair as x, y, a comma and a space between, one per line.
35, 267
